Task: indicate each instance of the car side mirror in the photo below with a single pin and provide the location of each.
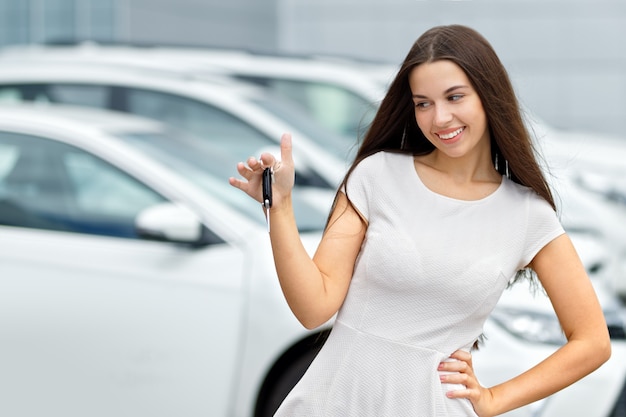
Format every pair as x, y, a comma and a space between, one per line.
170, 223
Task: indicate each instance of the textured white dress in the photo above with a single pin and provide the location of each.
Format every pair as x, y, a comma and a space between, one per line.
430, 271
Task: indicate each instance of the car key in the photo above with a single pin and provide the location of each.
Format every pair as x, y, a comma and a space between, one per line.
268, 179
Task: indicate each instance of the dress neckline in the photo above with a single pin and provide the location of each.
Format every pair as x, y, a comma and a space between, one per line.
419, 181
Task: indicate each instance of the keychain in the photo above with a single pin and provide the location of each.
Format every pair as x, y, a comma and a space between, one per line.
268, 179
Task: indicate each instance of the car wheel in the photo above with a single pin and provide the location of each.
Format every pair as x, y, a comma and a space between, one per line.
284, 377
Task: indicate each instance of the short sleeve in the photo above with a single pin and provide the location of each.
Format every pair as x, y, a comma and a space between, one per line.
360, 183
543, 227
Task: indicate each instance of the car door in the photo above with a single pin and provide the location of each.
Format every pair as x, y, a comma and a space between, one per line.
95, 321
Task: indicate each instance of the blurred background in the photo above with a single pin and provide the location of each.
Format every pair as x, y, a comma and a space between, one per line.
567, 58
134, 281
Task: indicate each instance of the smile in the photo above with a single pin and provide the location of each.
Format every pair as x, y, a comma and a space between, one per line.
451, 134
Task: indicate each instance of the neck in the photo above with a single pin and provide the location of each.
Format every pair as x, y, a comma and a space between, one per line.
475, 167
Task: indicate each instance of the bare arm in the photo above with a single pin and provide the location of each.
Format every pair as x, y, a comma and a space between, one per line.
588, 345
313, 287
565, 280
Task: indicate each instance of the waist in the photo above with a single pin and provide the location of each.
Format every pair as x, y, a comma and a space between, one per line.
345, 333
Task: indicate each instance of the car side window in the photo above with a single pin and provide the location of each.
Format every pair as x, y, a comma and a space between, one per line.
222, 132
17, 93
231, 134
67, 93
80, 94
54, 186
332, 106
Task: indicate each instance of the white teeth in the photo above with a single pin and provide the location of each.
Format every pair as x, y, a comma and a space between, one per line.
452, 134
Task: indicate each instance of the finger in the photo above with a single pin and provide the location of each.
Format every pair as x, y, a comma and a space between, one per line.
462, 355
236, 183
457, 378
242, 185
255, 164
455, 366
269, 160
460, 393
244, 171
286, 149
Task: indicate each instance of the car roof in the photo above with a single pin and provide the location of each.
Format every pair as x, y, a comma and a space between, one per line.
233, 97
368, 79
88, 118
17, 70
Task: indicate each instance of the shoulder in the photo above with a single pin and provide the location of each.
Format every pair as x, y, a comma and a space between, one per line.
538, 221
380, 167
375, 171
382, 159
520, 193
527, 203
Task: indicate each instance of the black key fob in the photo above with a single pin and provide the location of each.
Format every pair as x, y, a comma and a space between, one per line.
267, 187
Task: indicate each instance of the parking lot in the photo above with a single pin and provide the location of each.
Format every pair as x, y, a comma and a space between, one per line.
135, 281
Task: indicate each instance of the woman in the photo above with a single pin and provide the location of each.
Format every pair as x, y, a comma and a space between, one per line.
443, 206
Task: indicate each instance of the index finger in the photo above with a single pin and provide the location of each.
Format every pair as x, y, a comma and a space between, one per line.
286, 148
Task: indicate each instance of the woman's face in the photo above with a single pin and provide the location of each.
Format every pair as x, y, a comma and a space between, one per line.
448, 110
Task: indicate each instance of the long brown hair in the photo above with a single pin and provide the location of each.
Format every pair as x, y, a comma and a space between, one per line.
395, 129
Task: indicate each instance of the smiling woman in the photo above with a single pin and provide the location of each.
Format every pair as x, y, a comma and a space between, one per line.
450, 114
438, 106
426, 232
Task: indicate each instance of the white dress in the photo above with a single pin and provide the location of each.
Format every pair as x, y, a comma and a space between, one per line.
430, 271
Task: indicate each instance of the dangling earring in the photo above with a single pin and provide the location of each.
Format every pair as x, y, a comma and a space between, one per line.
506, 166
403, 140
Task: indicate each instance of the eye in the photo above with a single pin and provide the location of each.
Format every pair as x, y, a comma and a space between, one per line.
422, 104
455, 97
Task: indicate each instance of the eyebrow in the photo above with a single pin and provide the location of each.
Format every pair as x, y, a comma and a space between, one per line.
448, 91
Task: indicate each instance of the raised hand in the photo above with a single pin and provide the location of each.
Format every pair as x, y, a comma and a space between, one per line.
284, 174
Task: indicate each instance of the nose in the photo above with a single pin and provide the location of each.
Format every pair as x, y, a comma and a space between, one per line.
442, 115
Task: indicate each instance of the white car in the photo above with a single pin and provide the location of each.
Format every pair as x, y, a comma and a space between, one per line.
340, 95
135, 281
596, 161
588, 174
242, 119
132, 280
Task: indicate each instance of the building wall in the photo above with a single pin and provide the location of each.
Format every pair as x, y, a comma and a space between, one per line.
37, 21
566, 57
232, 23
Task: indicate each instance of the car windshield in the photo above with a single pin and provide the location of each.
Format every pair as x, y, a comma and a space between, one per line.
207, 168
342, 146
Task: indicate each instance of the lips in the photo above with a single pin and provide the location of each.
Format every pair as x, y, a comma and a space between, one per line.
450, 135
